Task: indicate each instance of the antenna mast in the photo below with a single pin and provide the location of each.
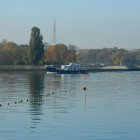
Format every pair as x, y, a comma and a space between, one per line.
54, 33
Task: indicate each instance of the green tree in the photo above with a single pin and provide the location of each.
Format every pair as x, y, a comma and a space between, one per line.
36, 47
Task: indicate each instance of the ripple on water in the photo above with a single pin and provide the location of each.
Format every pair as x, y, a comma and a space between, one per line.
108, 109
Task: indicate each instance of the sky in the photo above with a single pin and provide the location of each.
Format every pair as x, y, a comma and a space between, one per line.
87, 24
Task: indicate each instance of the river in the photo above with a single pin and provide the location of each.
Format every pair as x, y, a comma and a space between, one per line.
36, 105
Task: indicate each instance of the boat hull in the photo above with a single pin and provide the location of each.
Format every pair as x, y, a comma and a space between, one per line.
71, 72
59, 71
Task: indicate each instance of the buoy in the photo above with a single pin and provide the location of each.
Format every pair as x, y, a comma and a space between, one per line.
8, 104
84, 88
27, 100
0, 105
15, 102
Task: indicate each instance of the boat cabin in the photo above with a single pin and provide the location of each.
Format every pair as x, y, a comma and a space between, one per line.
71, 67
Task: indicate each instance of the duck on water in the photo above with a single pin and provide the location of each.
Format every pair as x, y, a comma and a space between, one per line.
71, 68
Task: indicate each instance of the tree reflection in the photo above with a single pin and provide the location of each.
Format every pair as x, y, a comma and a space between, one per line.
36, 86
36, 82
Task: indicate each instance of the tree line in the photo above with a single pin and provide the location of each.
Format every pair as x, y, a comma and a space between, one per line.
38, 53
109, 56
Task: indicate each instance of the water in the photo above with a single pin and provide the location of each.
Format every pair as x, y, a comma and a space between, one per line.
108, 110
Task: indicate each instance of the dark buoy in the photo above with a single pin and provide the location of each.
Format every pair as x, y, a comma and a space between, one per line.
8, 104
15, 102
27, 100
84, 88
0, 105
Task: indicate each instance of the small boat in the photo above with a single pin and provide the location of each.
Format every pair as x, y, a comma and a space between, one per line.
72, 68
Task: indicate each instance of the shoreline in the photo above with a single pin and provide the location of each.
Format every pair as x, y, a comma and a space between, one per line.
21, 68
112, 68
43, 68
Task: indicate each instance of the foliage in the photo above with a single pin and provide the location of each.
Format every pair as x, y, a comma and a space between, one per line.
10, 53
59, 54
13, 54
36, 47
109, 56
72, 53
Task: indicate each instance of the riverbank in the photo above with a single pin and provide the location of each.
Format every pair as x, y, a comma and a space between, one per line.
88, 69
21, 68
112, 68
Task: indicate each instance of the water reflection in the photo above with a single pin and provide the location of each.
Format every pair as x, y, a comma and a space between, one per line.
85, 100
61, 81
109, 108
8, 84
53, 82
36, 82
36, 88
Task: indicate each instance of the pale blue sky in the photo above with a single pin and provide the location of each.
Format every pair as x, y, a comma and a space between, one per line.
84, 23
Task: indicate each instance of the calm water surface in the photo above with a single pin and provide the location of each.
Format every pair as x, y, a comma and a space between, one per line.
54, 107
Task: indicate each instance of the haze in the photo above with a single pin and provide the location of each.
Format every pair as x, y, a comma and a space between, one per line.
85, 23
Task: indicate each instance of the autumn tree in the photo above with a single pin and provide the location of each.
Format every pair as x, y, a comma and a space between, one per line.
118, 57
56, 54
36, 47
10, 53
60, 54
50, 55
72, 49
